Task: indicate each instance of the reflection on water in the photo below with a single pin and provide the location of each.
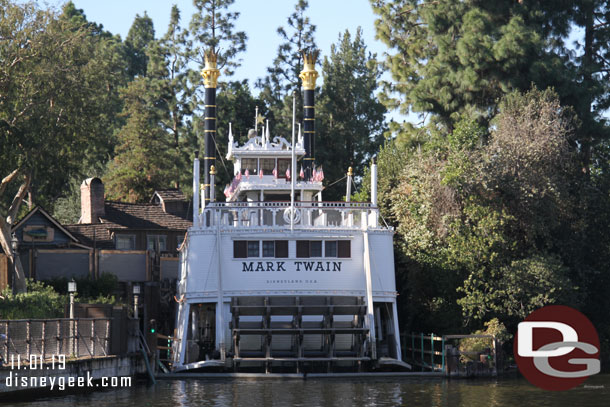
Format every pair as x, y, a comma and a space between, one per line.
384, 391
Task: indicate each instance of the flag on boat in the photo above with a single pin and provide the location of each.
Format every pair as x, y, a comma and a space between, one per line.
321, 175
274, 172
238, 176
314, 175
288, 173
302, 174
260, 174
247, 174
226, 191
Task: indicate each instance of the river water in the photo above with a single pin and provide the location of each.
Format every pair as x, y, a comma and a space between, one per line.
384, 391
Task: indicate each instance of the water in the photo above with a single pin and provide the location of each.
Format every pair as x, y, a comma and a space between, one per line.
339, 392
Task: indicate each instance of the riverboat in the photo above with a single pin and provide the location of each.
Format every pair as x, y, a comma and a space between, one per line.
276, 279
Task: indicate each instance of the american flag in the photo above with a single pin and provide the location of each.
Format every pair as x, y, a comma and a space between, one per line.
226, 191
247, 174
287, 173
302, 173
260, 174
275, 172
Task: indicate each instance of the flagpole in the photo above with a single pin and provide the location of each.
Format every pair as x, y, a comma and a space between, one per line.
292, 164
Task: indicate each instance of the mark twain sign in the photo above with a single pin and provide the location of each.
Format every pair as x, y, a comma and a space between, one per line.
262, 266
293, 274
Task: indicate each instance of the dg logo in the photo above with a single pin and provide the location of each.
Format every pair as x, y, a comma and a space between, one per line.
557, 348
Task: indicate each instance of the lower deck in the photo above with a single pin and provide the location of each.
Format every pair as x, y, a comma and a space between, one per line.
289, 334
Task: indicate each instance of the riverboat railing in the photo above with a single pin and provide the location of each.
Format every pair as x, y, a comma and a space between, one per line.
272, 214
38, 340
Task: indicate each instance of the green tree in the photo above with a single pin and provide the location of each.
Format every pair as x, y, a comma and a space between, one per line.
453, 58
57, 94
140, 35
349, 115
175, 83
282, 80
142, 162
213, 27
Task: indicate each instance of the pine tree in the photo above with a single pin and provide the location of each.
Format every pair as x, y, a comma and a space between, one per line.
170, 76
455, 58
213, 27
351, 119
282, 80
140, 35
142, 162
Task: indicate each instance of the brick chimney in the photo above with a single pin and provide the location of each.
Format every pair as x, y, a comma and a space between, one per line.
91, 200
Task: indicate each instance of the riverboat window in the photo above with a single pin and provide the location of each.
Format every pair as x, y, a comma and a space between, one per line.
271, 248
151, 241
240, 249
302, 248
253, 248
330, 248
281, 249
309, 248
315, 248
125, 242
344, 248
267, 165
268, 248
251, 164
282, 165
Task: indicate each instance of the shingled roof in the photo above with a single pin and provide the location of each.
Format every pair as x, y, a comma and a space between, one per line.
142, 216
168, 195
121, 215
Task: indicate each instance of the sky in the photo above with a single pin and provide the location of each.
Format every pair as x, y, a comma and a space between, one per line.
259, 19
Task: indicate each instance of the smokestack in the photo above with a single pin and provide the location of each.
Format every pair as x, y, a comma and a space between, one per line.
308, 76
210, 74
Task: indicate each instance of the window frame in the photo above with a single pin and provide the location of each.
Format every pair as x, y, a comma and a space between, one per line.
130, 236
162, 238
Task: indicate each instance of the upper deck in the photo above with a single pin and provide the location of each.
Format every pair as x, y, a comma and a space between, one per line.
270, 215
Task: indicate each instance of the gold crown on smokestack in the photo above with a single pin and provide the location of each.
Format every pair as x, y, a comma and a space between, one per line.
210, 72
309, 74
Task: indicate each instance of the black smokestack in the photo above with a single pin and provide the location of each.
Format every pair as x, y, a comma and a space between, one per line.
210, 76
308, 76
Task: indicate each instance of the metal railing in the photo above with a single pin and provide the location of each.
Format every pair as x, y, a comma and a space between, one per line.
44, 339
350, 215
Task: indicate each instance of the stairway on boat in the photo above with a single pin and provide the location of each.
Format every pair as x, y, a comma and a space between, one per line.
272, 330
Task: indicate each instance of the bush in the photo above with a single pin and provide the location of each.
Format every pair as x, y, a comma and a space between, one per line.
40, 301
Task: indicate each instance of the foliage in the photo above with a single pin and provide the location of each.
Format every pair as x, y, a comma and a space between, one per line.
349, 115
475, 345
282, 80
140, 35
40, 301
142, 162
213, 27
486, 222
105, 286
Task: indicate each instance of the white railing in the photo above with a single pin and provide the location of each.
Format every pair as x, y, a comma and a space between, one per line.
344, 215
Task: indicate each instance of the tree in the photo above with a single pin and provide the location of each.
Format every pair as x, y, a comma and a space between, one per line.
175, 83
140, 35
350, 116
142, 162
213, 28
57, 86
282, 80
454, 58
